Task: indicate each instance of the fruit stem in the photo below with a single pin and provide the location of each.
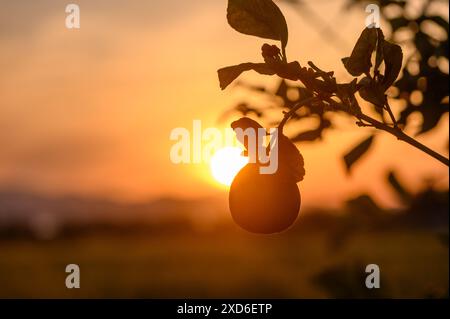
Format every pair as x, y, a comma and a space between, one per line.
288, 115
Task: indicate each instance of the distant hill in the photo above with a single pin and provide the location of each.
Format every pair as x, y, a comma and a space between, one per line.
46, 214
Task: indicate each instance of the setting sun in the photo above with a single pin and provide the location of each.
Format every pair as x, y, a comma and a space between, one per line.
226, 163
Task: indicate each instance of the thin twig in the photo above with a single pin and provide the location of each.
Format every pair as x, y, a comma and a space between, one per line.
389, 110
403, 137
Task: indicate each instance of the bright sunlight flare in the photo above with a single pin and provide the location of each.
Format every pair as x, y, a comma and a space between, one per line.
226, 163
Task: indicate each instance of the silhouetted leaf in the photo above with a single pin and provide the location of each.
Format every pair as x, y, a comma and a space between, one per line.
424, 44
310, 136
431, 115
282, 92
398, 187
245, 109
363, 204
372, 92
290, 161
379, 53
261, 18
314, 134
359, 62
357, 152
229, 74
284, 70
244, 123
252, 87
440, 22
346, 90
398, 22
282, 89
393, 57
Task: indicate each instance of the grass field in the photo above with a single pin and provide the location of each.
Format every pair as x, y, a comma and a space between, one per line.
228, 263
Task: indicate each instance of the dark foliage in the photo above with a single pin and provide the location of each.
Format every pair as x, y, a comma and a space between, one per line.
423, 84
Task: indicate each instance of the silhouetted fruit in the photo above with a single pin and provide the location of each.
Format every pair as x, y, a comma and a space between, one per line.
266, 203
263, 203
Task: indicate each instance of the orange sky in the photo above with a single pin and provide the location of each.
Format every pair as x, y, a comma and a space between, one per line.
90, 111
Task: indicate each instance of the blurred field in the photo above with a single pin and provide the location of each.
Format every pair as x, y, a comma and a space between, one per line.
227, 263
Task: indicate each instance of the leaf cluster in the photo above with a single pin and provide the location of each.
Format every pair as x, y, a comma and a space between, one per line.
374, 63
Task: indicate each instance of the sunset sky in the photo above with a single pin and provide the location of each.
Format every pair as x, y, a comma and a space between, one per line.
90, 111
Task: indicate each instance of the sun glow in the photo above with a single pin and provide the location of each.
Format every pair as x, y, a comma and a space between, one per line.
226, 163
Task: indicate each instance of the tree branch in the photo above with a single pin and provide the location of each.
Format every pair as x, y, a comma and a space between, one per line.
403, 137
395, 130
